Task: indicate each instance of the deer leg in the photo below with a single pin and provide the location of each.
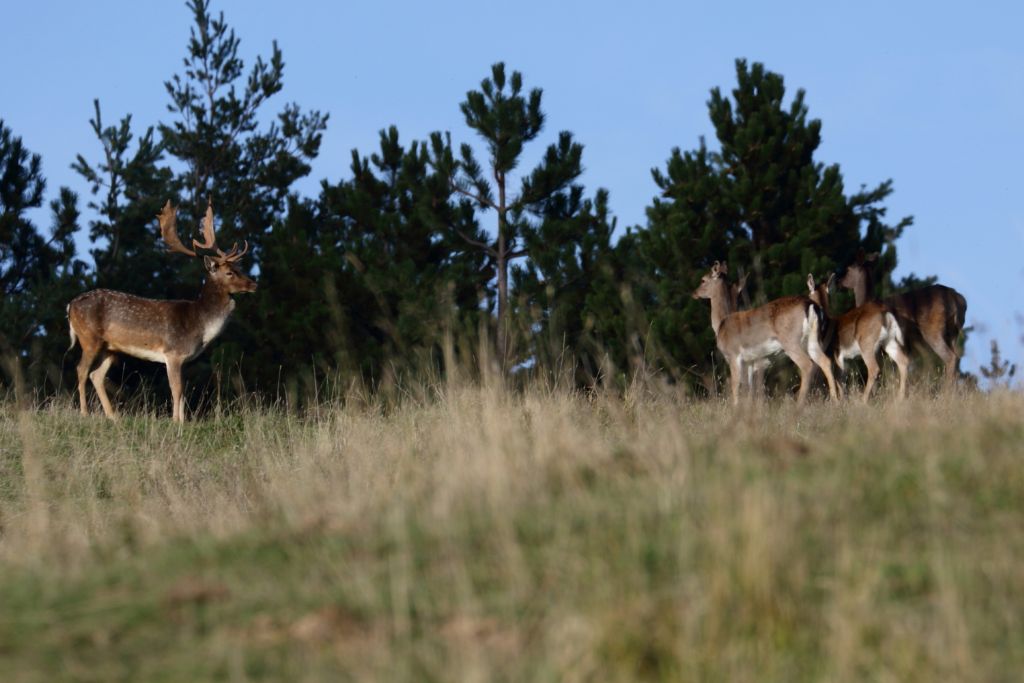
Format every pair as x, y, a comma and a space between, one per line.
98, 376
84, 363
822, 360
949, 358
735, 378
806, 367
174, 379
871, 362
899, 356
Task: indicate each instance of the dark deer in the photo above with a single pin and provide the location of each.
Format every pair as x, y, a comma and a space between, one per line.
934, 314
106, 322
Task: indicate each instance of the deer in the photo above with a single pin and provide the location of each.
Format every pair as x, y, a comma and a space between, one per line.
861, 332
748, 339
106, 322
934, 314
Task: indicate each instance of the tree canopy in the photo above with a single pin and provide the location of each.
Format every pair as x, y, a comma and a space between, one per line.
428, 250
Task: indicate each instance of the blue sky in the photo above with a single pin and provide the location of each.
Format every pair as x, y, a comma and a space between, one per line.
926, 93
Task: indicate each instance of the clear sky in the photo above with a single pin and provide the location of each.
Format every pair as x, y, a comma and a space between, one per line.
930, 94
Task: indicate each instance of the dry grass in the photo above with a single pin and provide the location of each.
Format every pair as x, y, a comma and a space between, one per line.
485, 535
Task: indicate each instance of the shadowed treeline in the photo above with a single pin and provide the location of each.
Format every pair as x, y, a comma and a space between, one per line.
426, 244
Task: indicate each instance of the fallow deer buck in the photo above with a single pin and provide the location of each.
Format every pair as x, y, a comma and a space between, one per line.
934, 314
748, 339
862, 331
106, 323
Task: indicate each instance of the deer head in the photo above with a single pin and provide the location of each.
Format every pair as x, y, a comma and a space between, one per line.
858, 276
221, 267
820, 292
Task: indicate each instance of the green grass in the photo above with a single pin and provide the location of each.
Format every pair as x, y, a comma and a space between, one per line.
544, 536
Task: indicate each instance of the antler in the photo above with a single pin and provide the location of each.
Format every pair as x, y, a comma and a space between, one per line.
169, 230
210, 241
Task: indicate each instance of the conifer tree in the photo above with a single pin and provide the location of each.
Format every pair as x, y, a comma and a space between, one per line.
215, 132
567, 293
404, 275
130, 187
507, 120
38, 275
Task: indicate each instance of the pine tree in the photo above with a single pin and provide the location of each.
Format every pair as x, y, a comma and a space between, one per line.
507, 120
130, 188
215, 133
405, 276
38, 275
567, 293
793, 209
690, 224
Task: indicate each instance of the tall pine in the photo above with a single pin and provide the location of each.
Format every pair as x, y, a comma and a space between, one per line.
506, 119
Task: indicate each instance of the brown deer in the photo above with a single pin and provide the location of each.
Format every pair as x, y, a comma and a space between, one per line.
106, 323
934, 314
862, 331
791, 325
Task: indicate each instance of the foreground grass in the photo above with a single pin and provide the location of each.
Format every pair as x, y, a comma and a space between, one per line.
487, 536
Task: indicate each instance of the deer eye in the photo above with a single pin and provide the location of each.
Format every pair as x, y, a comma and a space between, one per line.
230, 274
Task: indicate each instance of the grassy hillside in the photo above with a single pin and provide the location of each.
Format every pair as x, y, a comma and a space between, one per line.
537, 537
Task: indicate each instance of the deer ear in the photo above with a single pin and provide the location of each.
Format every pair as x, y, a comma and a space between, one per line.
810, 283
831, 281
724, 268
715, 269
210, 263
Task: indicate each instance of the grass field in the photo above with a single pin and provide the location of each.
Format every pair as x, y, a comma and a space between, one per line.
482, 535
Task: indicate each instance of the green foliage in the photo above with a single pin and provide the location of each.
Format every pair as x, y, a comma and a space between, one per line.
38, 275
506, 119
392, 269
130, 188
247, 171
567, 294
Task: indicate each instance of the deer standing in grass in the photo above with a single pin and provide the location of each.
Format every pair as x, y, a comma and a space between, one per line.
934, 314
862, 331
106, 322
748, 339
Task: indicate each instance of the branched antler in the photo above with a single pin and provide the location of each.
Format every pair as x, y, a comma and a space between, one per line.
169, 231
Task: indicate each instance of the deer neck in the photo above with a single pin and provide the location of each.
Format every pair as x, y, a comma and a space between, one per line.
213, 307
721, 306
861, 291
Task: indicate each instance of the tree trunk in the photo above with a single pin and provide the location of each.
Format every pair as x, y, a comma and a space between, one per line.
501, 263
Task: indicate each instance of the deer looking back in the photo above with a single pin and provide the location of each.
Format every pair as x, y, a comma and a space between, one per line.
106, 323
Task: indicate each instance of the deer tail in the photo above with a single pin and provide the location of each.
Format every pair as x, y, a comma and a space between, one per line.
893, 326
71, 328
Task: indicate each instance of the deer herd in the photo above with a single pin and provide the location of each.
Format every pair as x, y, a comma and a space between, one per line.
804, 329
106, 323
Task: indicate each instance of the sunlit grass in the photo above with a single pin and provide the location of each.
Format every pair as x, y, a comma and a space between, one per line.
488, 535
